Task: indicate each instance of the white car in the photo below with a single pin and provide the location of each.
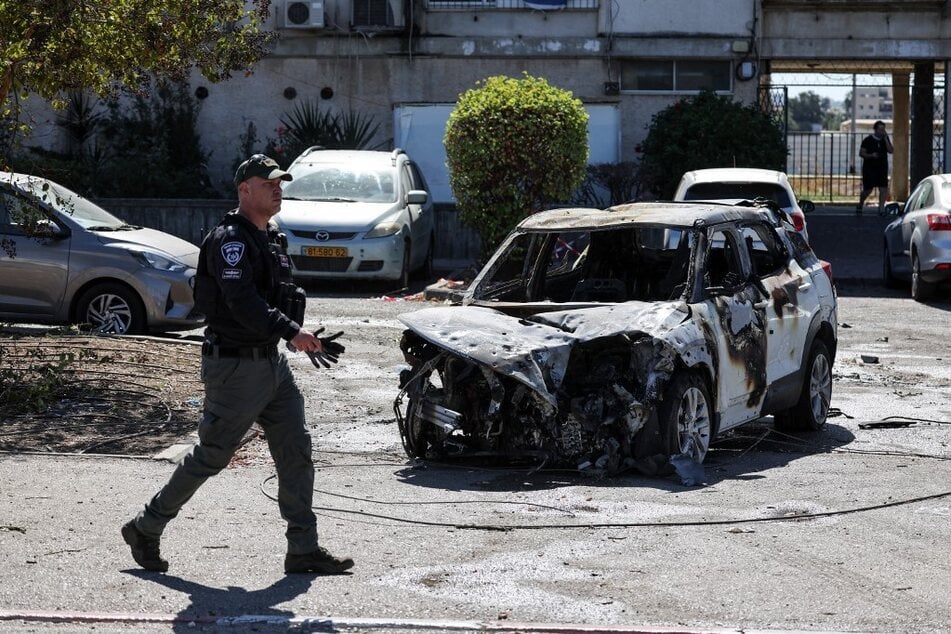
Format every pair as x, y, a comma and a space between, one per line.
918, 243
357, 214
626, 338
749, 183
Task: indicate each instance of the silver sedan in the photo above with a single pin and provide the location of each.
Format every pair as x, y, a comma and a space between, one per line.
63, 259
918, 242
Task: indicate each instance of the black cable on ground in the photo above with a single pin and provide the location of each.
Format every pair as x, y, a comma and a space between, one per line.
614, 525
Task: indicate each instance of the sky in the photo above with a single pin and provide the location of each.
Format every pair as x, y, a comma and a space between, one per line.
835, 86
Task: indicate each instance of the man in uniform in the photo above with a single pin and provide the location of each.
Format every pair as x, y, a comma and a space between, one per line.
243, 275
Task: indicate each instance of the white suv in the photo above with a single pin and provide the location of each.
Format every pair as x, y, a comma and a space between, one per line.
357, 214
738, 183
624, 339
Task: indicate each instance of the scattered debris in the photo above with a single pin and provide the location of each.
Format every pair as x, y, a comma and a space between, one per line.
868, 358
740, 529
887, 424
835, 412
844, 325
690, 471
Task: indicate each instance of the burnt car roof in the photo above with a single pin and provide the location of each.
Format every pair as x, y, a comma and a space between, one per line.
676, 214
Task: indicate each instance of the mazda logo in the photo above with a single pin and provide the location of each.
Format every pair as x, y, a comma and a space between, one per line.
322, 236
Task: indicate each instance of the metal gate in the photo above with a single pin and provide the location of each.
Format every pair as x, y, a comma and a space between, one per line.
825, 166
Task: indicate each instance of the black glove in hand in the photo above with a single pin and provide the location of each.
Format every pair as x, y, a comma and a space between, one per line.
321, 359
330, 346
331, 350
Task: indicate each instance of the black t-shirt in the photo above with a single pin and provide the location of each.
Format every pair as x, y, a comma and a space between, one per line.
878, 166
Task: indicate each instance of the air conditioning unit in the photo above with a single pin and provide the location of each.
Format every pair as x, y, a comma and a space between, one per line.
378, 14
302, 14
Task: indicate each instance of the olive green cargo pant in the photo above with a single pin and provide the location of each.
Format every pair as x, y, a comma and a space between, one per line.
238, 392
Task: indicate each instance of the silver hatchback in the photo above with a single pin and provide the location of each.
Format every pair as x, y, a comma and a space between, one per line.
918, 243
64, 259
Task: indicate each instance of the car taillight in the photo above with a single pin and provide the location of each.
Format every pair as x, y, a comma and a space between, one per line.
939, 222
943, 266
798, 221
827, 267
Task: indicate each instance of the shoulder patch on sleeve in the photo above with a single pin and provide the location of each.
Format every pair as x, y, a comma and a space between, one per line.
232, 252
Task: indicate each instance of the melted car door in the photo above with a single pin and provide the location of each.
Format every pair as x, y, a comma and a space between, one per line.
732, 317
792, 299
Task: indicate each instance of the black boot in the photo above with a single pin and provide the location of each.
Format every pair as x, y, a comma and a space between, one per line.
319, 561
145, 549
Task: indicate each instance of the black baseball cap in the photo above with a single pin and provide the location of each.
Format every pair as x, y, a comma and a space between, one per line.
260, 165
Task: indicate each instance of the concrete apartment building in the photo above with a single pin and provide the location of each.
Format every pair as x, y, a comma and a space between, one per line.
406, 61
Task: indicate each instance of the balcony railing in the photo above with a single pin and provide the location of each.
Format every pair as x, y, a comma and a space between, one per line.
524, 5
819, 6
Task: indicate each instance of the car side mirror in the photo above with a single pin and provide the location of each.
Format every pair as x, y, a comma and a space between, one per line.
48, 230
893, 209
807, 206
417, 197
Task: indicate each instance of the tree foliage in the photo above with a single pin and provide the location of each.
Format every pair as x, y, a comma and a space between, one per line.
513, 146
807, 110
707, 130
50, 47
156, 132
307, 125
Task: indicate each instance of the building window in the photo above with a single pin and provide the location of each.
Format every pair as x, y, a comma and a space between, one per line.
676, 75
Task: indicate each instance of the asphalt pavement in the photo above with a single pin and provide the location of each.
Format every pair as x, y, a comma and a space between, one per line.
810, 539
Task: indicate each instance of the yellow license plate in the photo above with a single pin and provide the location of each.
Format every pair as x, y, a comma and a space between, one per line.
325, 252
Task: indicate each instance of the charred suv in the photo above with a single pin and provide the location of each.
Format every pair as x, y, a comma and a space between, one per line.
626, 338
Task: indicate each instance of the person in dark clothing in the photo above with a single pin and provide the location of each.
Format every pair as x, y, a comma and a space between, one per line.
874, 152
243, 274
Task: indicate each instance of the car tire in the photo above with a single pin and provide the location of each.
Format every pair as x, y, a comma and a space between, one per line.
406, 271
417, 432
686, 416
111, 308
812, 409
888, 277
920, 289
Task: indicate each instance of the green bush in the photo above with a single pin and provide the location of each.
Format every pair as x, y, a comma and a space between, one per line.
704, 131
513, 146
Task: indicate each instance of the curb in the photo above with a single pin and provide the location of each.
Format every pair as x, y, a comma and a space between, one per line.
336, 624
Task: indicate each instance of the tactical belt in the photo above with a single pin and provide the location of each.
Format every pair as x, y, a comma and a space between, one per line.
243, 352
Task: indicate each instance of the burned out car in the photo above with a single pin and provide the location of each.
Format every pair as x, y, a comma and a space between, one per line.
626, 338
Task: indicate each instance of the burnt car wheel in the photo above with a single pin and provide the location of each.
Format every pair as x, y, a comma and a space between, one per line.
111, 309
920, 289
685, 414
417, 431
810, 413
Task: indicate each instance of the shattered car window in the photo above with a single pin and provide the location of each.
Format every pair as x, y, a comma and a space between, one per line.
617, 265
511, 272
766, 252
723, 270
802, 252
